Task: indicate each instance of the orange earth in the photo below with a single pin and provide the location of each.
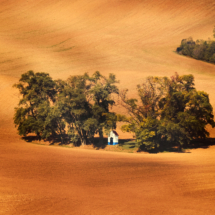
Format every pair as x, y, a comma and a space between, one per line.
133, 39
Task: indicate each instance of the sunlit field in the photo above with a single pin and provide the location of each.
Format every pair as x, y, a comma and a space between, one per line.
133, 40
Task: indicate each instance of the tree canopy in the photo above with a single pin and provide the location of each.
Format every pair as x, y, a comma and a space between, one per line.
38, 92
100, 96
167, 111
170, 111
77, 108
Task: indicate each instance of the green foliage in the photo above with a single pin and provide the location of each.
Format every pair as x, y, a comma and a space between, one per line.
170, 111
78, 108
100, 93
200, 49
187, 47
38, 93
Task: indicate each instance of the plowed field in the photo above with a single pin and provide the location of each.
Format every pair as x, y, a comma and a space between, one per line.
132, 39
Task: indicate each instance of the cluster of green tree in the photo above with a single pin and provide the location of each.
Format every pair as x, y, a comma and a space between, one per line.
170, 112
77, 108
200, 49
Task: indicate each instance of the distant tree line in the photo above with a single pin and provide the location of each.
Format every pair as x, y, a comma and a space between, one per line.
200, 49
167, 112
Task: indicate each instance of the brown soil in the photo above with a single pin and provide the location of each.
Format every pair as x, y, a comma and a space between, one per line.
132, 39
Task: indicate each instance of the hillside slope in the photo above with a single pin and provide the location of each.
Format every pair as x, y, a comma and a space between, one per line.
133, 39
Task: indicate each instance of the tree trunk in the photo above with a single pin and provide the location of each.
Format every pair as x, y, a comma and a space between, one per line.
62, 132
83, 142
62, 139
101, 136
84, 138
179, 147
38, 136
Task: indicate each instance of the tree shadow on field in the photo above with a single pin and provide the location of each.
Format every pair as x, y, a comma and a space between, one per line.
200, 143
58, 140
128, 143
124, 143
51, 140
194, 144
96, 143
31, 138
